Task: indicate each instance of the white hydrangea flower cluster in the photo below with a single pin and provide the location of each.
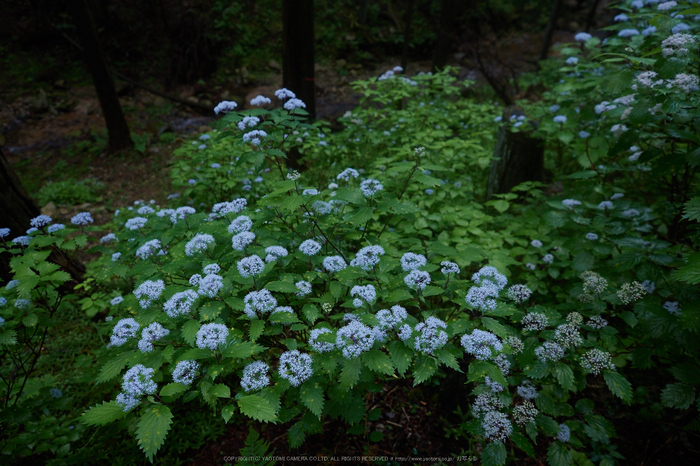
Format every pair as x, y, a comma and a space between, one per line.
411, 261
310, 247
242, 240
489, 282
240, 224
222, 209
149, 248
200, 242
181, 213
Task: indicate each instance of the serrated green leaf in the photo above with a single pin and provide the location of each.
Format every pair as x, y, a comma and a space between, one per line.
350, 373
258, 408
8, 337
691, 210
189, 331
227, 412
523, 443
220, 391
282, 286
103, 414
447, 359
431, 291
559, 454
564, 375
114, 366
425, 368
362, 216
494, 326
583, 261
172, 389
401, 356
678, 395
689, 273
242, 350
618, 385
152, 429
256, 329
194, 354
378, 361
311, 313
311, 395
494, 454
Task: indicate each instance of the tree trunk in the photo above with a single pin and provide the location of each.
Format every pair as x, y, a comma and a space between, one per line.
17, 209
551, 26
117, 128
445, 29
517, 158
407, 33
591, 15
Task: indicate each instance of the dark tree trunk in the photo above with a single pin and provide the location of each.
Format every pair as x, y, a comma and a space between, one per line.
551, 26
591, 15
117, 128
298, 58
407, 33
445, 30
517, 158
17, 209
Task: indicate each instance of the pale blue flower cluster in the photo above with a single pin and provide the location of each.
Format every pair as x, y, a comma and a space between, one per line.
222, 209
248, 122
595, 361
254, 137
549, 351
411, 261
294, 103
527, 390
480, 344
259, 302
534, 322
370, 187
519, 293
116, 301
274, 253
320, 346
200, 242
368, 257
310, 247
181, 213
242, 240
250, 266
180, 303
211, 336
185, 372
149, 248
295, 367
135, 223
347, 174
109, 238
150, 290
56, 227
304, 288
260, 100
81, 219
40, 221
449, 267
255, 376
417, 280
354, 339
432, 335
284, 93
225, 106
125, 329
366, 293
334, 263
153, 332
23, 303
210, 285
564, 431
136, 383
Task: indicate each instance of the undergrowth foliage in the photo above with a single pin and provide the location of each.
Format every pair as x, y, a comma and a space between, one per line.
282, 297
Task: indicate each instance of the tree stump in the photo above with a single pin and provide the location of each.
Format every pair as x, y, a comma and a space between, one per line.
518, 157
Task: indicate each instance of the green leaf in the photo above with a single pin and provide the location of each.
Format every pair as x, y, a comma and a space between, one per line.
494, 454
227, 412
583, 261
678, 395
256, 329
350, 373
447, 359
378, 361
311, 395
152, 429
431, 291
103, 414
689, 273
282, 286
559, 454
194, 354
114, 366
258, 408
523, 443
500, 205
172, 389
401, 356
362, 216
565, 376
691, 210
424, 369
189, 331
8, 338
242, 350
495, 327
618, 385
